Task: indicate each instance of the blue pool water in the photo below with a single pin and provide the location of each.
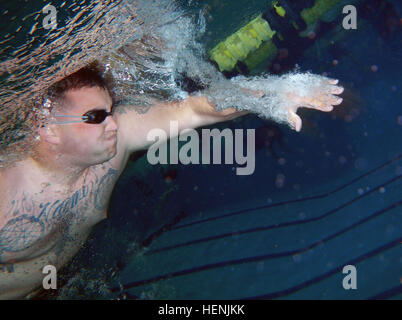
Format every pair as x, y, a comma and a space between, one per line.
341, 206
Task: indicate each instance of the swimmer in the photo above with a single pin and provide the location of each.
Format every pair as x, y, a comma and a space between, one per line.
51, 200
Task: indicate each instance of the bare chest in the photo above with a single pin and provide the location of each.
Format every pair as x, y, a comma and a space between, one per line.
33, 223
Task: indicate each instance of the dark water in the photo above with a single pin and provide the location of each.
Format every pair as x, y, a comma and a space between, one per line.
318, 200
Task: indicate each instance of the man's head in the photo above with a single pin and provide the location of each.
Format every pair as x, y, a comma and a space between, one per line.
84, 92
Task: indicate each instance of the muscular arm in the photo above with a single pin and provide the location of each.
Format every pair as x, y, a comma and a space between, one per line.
291, 93
190, 113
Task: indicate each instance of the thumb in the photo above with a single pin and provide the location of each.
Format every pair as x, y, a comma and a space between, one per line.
295, 120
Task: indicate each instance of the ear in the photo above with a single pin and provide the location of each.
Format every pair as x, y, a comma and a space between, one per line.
50, 134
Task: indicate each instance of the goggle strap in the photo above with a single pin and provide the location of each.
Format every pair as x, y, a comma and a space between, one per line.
68, 116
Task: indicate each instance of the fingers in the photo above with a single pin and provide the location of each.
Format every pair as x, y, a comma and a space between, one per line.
333, 88
327, 108
326, 105
334, 100
321, 107
337, 100
333, 81
336, 89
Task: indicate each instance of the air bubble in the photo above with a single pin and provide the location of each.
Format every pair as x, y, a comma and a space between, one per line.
296, 257
342, 160
280, 181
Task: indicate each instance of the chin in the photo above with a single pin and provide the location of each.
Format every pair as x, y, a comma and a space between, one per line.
105, 156
112, 153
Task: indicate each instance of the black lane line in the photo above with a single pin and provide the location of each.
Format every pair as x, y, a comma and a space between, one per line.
171, 225
319, 278
147, 241
272, 226
254, 258
387, 294
323, 195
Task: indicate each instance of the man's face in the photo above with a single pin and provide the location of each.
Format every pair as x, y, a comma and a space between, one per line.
88, 143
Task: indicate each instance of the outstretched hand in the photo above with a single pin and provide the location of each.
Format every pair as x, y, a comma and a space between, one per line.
323, 99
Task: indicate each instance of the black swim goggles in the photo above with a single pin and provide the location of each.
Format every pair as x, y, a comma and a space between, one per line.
92, 117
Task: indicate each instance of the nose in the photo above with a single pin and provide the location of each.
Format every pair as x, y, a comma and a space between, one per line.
111, 124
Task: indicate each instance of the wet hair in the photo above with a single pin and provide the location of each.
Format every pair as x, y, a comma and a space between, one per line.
88, 76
